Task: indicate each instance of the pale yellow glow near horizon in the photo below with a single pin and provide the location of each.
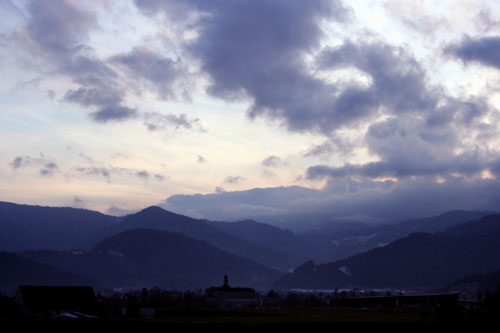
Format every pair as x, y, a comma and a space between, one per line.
232, 145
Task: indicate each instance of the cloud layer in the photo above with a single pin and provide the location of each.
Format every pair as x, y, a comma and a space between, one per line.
256, 50
58, 34
369, 202
375, 114
483, 50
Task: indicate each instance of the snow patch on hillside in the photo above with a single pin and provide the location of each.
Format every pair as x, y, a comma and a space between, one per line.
345, 270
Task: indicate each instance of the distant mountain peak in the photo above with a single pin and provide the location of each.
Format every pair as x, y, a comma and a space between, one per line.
158, 214
465, 212
151, 209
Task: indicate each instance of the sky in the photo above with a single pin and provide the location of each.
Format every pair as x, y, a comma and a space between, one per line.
227, 109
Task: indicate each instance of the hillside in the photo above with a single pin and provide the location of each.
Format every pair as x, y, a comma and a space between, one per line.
25, 227
418, 261
340, 239
148, 258
160, 219
15, 271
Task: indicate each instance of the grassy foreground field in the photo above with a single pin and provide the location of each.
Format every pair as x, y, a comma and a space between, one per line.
198, 320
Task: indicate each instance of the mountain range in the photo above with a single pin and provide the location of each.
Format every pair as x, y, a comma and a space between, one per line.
160, 219
25, 227
340, 239
16, 270
148, 258
420, 260
155, 247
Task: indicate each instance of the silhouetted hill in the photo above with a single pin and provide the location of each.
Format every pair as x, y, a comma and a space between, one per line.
316, 246
278, 239
349, 242
339, 239
148, 258
418, 261
160, 219
256, 232
483, 227
15, 271
472, 284
306, 246
25, 227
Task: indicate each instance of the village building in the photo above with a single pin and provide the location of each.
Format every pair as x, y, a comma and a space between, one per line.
226, 296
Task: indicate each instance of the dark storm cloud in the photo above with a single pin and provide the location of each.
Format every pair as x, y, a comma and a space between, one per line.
464, 164
153, 68
271, 161
60, 30
483, 50
57, 32
335, 144
92, 97
326, 148
495, 168
343, 199
88, 70
426, 126
57, 26
398, 80
106, 100
410, 146
460, 113
99, 90
256, 49
229, 205
113, 113
176, 10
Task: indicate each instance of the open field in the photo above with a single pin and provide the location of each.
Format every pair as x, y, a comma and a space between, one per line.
262, 320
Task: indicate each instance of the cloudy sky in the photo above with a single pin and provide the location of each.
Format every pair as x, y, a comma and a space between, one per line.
371, 110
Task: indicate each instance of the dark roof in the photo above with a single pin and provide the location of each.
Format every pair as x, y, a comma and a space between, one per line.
231, 289
57, 298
